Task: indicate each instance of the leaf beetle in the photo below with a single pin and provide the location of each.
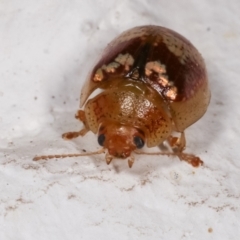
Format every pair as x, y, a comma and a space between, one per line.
154, 83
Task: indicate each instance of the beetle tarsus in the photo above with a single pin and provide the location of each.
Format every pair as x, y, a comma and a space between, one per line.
191, 159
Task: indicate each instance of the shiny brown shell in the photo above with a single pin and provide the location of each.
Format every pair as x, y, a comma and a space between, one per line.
164, 60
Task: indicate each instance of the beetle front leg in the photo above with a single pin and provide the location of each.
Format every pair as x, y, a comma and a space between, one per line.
80, 115
178, 145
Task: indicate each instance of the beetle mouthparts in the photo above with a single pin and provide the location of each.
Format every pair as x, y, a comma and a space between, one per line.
109, 159
130, 161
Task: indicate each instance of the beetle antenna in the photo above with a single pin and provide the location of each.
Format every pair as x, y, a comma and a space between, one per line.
46, 157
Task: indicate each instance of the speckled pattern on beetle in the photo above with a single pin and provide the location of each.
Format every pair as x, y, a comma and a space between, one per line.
154, 83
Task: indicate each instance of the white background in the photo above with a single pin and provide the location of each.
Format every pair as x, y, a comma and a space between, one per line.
46, 51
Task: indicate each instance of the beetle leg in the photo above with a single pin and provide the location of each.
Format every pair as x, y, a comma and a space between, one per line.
80, 115
71, 135
191, 159
178, 144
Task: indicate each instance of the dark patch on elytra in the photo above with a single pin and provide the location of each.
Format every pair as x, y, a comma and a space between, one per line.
140, 61
185, 77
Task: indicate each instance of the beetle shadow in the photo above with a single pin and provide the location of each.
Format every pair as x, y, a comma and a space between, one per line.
210, 127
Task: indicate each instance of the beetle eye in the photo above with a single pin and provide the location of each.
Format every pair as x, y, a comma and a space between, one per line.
138, 142
101, 139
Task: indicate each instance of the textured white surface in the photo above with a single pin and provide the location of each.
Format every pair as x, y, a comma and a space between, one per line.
47, 48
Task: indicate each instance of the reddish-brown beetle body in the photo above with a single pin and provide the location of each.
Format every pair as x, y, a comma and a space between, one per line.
154, 83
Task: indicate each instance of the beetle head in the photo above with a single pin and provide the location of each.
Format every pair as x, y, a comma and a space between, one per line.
120, 140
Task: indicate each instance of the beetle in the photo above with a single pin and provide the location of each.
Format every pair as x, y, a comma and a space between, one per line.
153, 83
